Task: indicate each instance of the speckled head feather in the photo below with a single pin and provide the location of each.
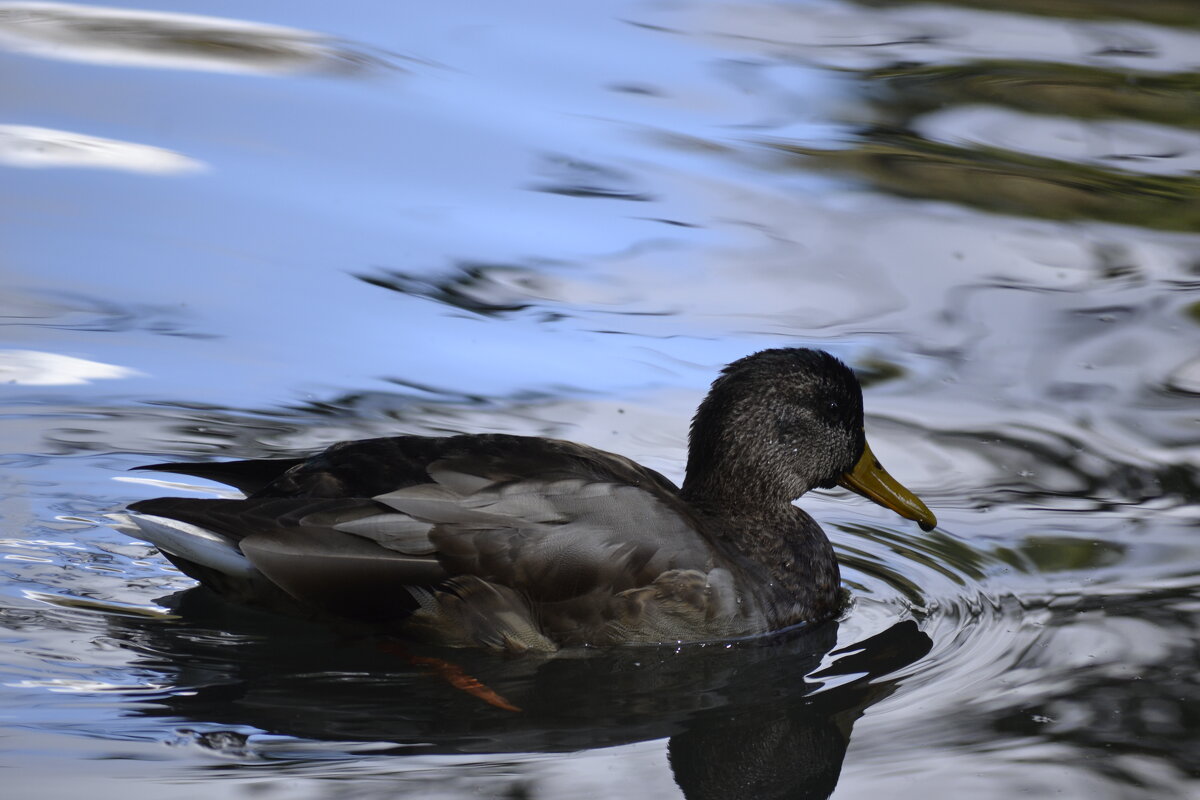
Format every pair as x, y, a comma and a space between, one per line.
784, 420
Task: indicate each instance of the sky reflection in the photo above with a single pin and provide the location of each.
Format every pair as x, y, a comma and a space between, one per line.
267, 226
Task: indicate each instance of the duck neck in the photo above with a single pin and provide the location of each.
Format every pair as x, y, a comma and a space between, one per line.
800, 579
736, 492
754, 511
736, 462
755, 516
737, 477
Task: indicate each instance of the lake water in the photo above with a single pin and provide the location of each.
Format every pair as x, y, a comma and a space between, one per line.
250, 229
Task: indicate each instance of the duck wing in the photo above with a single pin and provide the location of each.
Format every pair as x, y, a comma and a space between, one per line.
371, 467
540, 522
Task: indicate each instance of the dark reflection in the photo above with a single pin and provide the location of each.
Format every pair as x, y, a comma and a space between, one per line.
794, 750
1063, 554
75, 311
1010, 182
745, 719
1193, 312
1053, 469
577, 178
491, 290
1042, 87
875, 371
1162, 12
1152, 712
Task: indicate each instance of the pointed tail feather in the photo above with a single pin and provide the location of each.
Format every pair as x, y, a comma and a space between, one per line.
249, 476
190, 542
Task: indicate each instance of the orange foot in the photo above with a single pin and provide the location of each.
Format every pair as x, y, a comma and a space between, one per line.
452, 674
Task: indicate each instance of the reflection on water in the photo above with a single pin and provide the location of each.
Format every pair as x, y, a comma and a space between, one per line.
1076, 91
1163, 12
990, 210
26, 146
127, 37
655, 688
285, 682
31, 368
1010, 182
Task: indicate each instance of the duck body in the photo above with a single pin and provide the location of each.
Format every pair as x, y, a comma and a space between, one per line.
522, 544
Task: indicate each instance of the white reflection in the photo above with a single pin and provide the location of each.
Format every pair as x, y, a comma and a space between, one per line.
848, 36
126, 37
27, 146
1133, 146
35, 368
72, 686
1186, 378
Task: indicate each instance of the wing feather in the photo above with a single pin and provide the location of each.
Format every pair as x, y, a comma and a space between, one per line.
552, 539
548, 535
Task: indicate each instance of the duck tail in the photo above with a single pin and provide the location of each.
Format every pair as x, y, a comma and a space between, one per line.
188, 542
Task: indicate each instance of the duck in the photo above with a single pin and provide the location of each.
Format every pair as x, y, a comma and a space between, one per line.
524, 544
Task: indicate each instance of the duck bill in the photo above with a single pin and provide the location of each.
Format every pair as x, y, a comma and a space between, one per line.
873, 482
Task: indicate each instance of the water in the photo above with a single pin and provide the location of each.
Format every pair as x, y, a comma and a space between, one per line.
278, 225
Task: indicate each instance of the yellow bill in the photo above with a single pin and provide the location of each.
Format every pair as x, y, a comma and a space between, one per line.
872, 481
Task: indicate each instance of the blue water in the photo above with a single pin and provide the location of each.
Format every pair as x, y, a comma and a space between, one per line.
252, 229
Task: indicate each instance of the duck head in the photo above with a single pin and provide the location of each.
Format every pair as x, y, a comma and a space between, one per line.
780, 422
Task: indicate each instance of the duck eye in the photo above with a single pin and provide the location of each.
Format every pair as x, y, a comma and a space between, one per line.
831, 412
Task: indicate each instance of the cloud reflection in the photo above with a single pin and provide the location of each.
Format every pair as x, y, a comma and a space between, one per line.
29, 146
35, 368
126, 37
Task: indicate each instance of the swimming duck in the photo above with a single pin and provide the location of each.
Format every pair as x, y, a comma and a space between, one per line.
520, 543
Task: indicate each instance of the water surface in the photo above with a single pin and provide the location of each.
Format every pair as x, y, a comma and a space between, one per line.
251, 229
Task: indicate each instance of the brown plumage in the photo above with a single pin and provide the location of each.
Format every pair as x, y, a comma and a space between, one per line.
521, 543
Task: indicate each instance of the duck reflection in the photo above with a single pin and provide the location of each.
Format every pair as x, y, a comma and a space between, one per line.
793, 749
753, 718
